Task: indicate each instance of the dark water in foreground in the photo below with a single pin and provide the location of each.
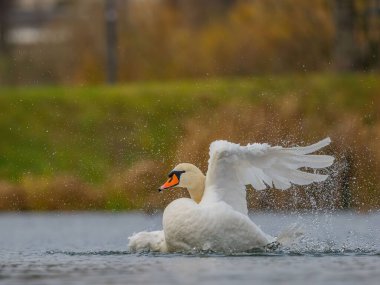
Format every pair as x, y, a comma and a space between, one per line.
91, 248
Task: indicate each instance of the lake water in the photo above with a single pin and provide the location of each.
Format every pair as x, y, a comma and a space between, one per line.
91, 248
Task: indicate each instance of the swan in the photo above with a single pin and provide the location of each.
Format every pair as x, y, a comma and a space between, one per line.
215, 218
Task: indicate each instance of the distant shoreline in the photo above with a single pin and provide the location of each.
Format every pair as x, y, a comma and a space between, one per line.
107, 148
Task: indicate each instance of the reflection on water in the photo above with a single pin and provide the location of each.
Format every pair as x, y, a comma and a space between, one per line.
91, 248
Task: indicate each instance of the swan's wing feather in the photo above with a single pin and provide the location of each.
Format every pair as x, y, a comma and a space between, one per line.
310, 148
232, 166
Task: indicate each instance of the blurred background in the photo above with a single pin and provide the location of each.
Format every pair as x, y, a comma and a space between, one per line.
99, 99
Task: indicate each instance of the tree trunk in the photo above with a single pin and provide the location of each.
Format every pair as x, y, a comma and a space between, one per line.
344, 53
5, 6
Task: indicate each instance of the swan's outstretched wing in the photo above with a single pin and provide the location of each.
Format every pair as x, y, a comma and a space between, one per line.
232, 166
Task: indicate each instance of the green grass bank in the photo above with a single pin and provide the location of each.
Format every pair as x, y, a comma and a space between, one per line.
82, 148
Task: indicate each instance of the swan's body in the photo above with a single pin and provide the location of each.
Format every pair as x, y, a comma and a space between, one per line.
216, 227
215, 218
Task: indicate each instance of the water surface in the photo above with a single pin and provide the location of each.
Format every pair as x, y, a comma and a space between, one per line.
91, 248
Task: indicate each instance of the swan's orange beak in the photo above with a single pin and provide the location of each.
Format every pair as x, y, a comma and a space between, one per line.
171, 182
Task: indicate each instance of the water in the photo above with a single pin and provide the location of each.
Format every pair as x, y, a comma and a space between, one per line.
91, 248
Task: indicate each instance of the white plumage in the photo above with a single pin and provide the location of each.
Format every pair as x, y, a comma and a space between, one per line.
216, 216
232, 166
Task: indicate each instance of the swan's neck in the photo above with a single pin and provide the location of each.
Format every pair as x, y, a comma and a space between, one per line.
197, 188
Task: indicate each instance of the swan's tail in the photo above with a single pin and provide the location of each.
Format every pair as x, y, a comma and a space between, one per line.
147, 241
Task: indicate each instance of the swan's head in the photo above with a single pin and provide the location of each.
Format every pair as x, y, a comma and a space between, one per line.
186, 175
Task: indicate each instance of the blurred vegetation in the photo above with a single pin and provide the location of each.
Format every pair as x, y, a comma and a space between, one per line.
182, 38
72, 148
260, 63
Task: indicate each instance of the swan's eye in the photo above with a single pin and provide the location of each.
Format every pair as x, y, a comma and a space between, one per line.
177, 173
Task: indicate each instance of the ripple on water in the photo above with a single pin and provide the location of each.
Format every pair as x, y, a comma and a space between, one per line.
92, 249
89, 253
269, 253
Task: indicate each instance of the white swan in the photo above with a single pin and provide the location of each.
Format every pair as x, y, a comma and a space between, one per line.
215, 218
